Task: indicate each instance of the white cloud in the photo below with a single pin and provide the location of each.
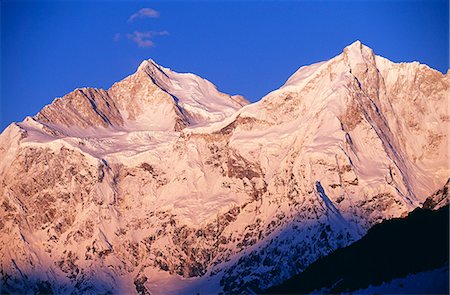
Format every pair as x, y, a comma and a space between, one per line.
144, 39
144, 13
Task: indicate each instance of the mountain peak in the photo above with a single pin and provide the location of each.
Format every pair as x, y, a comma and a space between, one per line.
196, 100
357, 49
152, 68
355, 53
358, 54
357, 46
145, 63
149, 63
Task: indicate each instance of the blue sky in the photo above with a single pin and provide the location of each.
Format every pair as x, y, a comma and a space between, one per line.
49, 48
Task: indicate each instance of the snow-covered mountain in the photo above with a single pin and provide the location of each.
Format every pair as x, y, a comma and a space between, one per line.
152, 99
162, 184
391, 249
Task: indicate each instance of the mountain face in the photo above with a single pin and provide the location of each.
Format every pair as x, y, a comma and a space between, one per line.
162, 184
152, 99
392, 249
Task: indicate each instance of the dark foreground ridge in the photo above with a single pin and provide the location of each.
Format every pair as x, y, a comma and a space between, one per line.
392, 249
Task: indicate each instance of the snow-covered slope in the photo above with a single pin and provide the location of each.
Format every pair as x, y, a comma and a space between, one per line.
163, 184
427, 282
153, 98
392, 249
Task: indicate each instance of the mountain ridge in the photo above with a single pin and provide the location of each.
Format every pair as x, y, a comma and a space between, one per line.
121, 110
392, 249
233, 201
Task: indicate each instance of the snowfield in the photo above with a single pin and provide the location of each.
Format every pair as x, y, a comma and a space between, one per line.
162, 184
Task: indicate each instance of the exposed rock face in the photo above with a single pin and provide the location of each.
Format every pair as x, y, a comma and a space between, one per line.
175, 180
153, 98
83, 108
439, 199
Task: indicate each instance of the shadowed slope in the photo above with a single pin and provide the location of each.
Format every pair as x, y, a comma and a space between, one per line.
392, 249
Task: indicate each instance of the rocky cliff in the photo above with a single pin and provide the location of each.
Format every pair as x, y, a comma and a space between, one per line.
162, 184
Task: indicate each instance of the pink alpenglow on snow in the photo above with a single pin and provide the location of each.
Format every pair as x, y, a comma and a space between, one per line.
162, 184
